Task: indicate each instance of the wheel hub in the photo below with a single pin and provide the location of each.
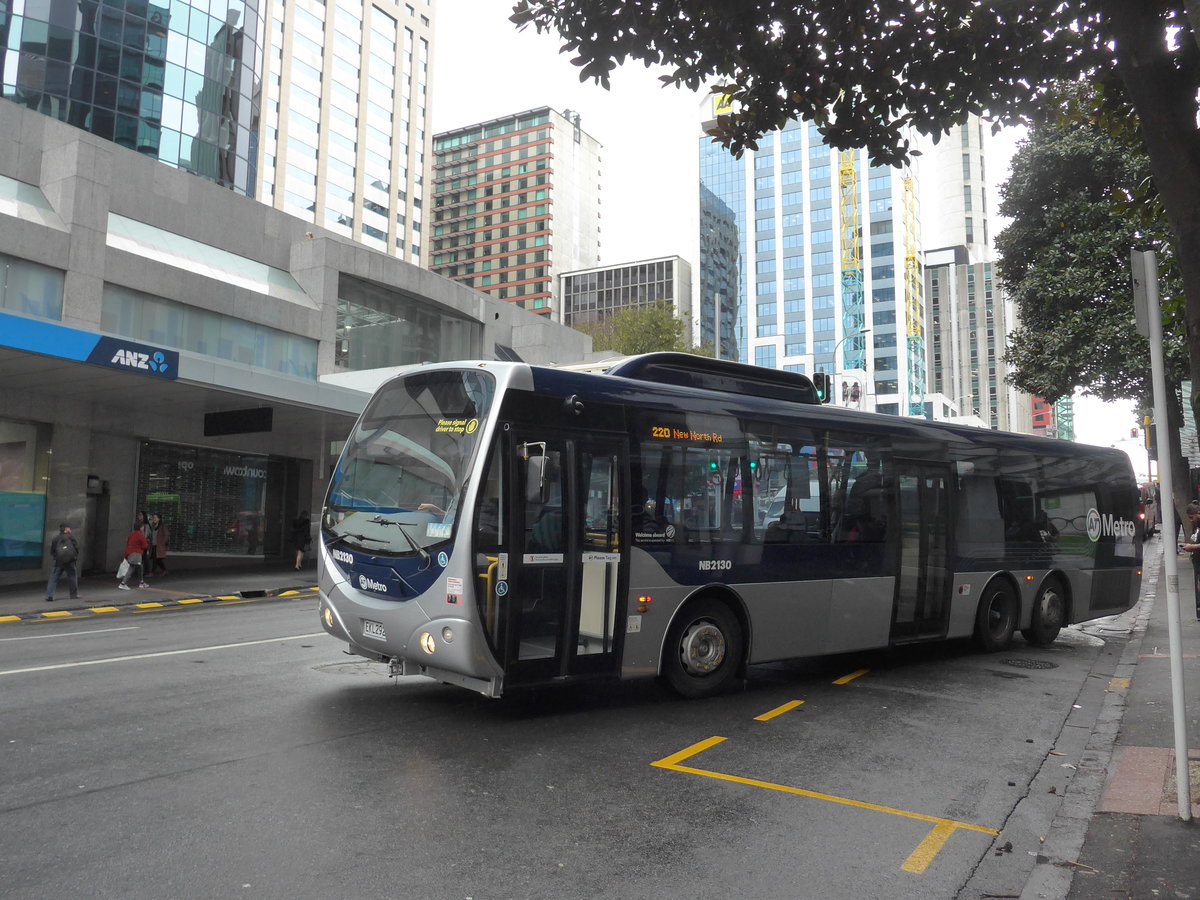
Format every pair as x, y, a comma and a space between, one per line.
702, 649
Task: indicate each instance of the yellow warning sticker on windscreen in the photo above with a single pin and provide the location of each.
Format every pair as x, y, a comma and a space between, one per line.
456, 426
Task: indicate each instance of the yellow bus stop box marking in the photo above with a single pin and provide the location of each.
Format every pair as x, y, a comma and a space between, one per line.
917, 861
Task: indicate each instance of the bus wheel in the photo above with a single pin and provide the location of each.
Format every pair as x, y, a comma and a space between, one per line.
704, 649
1049, 615
996, 618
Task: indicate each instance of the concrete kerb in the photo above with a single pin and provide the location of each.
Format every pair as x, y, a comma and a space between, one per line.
1054, 869
81, 611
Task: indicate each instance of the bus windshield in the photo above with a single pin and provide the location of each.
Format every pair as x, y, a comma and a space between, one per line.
397, 485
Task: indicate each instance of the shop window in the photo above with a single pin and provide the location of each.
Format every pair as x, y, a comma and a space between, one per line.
24, 472
214, 502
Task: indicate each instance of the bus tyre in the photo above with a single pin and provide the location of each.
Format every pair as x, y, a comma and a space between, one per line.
1049, 615
996, 618
704, 649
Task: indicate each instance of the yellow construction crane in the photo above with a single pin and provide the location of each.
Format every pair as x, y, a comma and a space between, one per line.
853, 310
912, 303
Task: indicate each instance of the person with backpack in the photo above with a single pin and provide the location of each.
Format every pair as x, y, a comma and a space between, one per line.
64, 551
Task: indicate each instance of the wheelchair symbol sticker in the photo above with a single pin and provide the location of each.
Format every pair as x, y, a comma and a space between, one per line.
501, 588
443, 559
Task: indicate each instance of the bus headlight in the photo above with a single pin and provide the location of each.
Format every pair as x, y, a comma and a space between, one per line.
447, 634
327, 614
427, 643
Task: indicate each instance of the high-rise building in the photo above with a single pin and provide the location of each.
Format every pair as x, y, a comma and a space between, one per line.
176, 81
316, 110
969, 318
817, 254
591, 295
516, 204
344, 140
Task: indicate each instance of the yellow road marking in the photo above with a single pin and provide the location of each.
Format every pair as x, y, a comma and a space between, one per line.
289, 593
149, 604
56, 615
920, 858
104, 609
190, 600
231, 597
234, 601
778, 711
10, 618
1119, 684
846, 679
917, 862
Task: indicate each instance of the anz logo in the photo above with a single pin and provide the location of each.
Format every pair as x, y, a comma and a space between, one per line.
370, 584
1099, 525
343, 557
134, 359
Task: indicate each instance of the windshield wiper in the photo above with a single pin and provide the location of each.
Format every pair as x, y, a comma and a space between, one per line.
380, 520
363, 537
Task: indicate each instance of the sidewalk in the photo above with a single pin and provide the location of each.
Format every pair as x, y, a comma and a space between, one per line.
1118, 833
270, 579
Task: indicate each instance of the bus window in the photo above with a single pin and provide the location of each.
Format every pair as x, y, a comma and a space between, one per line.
653, 513
489, 516
859, 476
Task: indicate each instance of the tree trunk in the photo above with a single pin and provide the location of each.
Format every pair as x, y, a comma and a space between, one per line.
1162, 90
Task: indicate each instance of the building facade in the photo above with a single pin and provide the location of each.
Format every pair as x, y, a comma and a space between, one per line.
168, 345
345, 105
591, 295
827, 270
969, 318
516, 204
175, 81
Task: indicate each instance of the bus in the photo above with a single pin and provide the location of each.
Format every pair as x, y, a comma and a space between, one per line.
498, 525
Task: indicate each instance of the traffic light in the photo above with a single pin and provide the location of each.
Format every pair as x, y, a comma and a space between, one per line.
1133, 433
822, 382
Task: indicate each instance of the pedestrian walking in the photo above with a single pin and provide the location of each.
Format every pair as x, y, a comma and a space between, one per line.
162, 537
301, 537
136, 547
143, 525
64, 553
1191, 544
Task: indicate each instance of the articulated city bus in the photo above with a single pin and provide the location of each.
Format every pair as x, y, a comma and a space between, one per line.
497, 525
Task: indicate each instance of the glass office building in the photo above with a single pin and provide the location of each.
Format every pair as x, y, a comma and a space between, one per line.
807, 253
174, 80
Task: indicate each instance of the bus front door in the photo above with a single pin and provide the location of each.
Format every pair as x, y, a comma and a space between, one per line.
922, 602
568, 569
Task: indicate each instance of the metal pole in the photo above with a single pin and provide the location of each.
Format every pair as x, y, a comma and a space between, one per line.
1149, 271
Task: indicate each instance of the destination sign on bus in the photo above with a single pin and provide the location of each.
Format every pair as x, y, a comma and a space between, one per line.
670, 433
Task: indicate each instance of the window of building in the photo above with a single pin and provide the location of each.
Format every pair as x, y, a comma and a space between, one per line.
30, 288
379, 326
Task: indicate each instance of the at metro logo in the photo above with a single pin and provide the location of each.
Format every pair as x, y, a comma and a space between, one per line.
1106, 524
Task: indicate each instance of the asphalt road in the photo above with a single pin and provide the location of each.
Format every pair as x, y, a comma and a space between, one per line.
234, 751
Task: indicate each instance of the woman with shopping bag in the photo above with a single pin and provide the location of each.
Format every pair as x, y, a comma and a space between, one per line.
135, 546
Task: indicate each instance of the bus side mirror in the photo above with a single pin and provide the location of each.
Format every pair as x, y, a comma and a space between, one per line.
535, 471
535, 479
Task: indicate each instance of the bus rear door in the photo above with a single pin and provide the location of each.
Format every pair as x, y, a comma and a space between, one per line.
922, 604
